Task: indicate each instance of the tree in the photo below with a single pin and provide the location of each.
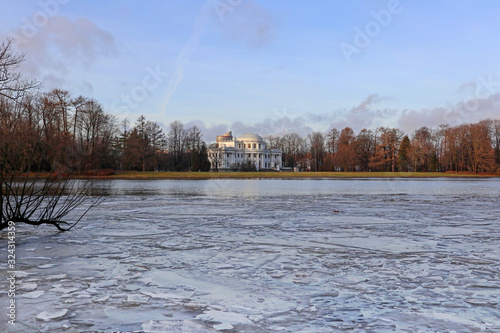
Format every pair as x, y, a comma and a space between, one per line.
193, 138
132, 151
317, 150
496, 141
176, 141
404, 154
332, 141
216, 157
204, 161
346, 157
13, 85
95, 132
386, 149
365, 147
194, 145
141, 126
479, 147
23, 140
422, 149
292, 146
157, 141
453, 150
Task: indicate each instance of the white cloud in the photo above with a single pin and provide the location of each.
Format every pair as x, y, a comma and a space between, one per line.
62, 45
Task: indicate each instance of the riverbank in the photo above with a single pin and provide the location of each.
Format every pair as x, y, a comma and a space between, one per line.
290, 175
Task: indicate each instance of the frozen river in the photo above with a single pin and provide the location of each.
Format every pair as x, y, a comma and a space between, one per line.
311, 255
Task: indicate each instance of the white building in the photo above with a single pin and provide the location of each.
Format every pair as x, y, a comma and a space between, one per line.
248, 149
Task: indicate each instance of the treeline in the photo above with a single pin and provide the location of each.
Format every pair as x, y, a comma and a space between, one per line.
55, 131
468, 147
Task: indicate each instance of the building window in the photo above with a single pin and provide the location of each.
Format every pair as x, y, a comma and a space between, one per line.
254, 145
259, 145
249, 155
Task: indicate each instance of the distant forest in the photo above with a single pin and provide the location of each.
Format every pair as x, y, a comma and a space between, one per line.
468, 147
55, 131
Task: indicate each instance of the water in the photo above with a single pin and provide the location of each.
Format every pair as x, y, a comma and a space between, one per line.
322, 255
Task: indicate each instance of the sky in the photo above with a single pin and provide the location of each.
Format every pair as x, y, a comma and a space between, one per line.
268, 67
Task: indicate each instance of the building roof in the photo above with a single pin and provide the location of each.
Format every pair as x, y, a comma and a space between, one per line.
250, 137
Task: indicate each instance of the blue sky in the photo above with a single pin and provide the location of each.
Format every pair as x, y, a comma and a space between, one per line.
268, 66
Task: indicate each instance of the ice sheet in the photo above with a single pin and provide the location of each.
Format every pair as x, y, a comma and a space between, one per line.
227, 261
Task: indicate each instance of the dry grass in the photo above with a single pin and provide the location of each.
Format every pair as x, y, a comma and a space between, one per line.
287, 175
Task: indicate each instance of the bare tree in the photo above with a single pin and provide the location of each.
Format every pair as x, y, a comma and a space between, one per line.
365, 147
346, 155
26, 134
12, 84
215, 155
496, 141
157, 141
176, 140
422, 149
479, 147
332, 141
193, 139
317, 149
386, 149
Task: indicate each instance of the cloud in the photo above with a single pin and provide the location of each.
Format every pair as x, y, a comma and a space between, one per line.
268, 127
245, 21
56, 48
364, 115
467, 111
186, 52
240, 20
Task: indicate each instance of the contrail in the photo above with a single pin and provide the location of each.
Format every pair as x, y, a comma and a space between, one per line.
186, 52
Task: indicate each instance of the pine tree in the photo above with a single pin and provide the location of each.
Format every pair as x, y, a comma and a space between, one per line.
403, 156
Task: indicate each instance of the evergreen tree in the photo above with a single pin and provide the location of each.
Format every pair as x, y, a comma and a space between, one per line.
434, 163
195, 160
403, 156
204, 162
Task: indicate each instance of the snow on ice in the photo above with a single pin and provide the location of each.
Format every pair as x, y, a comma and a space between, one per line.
265, 256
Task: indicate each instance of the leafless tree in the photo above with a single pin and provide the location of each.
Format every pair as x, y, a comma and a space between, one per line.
332, 141
317, 149
386, 149
12, 84
176, 141
27, 133
215, 153
157, 142
365, 147
422, 149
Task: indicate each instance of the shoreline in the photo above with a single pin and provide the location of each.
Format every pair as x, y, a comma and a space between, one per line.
151, 175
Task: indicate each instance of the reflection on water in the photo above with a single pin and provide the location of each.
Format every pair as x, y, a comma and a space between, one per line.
292, 187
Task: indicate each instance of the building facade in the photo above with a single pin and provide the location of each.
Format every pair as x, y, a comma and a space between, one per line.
248, 150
